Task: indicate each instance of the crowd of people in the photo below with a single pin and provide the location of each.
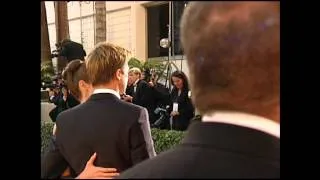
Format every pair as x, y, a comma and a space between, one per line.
141, 90
233, 55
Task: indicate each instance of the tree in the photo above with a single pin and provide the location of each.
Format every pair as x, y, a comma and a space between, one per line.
100, 21
45, 44
62, 27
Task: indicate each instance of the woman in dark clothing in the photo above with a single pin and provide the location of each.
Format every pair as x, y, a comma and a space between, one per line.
182, 110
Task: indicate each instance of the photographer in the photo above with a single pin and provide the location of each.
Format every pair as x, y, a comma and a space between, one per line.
56, 53
162, 100
70, 50
63, 100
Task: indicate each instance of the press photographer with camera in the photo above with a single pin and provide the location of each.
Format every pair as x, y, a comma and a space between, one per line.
70, 50
62, 98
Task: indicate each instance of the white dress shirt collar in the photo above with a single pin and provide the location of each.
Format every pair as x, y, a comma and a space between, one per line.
111, 91
246, 120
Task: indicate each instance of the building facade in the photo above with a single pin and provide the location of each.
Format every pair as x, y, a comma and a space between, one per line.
135, 25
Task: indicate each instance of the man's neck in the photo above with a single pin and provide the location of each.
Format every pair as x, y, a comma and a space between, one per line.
244, 119
136, 82
107, 86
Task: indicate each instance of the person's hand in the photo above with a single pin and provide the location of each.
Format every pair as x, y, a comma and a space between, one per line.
127, 98
174, 113
51, 93
93, 172
151, 84
65, 93
65, 98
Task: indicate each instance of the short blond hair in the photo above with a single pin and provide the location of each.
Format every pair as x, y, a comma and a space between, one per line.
103, 62
135, 70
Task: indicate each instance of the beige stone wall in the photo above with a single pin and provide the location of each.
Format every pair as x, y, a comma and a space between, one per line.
126, 25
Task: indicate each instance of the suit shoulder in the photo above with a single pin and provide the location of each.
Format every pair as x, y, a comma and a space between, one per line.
66, 114
144, 83
157, 167
130, 106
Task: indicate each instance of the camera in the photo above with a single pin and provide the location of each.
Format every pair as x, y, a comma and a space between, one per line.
56, 53
162, 121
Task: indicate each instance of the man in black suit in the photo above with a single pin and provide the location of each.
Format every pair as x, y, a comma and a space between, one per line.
117, 131
233, 53
72, 50
141, 93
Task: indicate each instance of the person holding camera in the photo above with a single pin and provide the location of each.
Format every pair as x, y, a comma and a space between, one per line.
62, 99
70, 50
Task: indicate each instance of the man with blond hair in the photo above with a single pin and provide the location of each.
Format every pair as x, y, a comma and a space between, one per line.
118, 132
140, 93
233, 52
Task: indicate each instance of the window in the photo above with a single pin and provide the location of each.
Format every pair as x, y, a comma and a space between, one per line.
158, 21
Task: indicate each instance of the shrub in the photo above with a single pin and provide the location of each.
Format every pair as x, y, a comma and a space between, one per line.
163, 139
47, 71
166, 139
46, 133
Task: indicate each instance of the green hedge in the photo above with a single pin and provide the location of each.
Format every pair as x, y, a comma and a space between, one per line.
163, 139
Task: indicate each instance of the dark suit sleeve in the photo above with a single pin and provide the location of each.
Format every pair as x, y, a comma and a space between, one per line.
53, 163
141, 143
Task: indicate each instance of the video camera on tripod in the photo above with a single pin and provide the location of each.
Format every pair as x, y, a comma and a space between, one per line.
162, 121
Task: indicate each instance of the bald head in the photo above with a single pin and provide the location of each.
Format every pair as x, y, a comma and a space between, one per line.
233, 54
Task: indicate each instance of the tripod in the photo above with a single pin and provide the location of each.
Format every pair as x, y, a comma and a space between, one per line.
168, 66
168, 44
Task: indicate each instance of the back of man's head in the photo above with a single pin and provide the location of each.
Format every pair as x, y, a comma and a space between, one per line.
65, 41
103, 62
233, 52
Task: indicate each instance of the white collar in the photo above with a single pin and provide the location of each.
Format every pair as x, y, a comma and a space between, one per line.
111, 91
245, 120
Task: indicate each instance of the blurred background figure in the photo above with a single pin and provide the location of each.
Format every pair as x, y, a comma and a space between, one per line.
181, 108
63, 100
146, 75
140, 93
70, 50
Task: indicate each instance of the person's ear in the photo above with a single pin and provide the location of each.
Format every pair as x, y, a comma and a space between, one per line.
119, 74
82, 84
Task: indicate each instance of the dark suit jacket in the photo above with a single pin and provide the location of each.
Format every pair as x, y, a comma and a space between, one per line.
161, 94
118, 131
144, 97
129, 90
185, 108
62, 105
215, 150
